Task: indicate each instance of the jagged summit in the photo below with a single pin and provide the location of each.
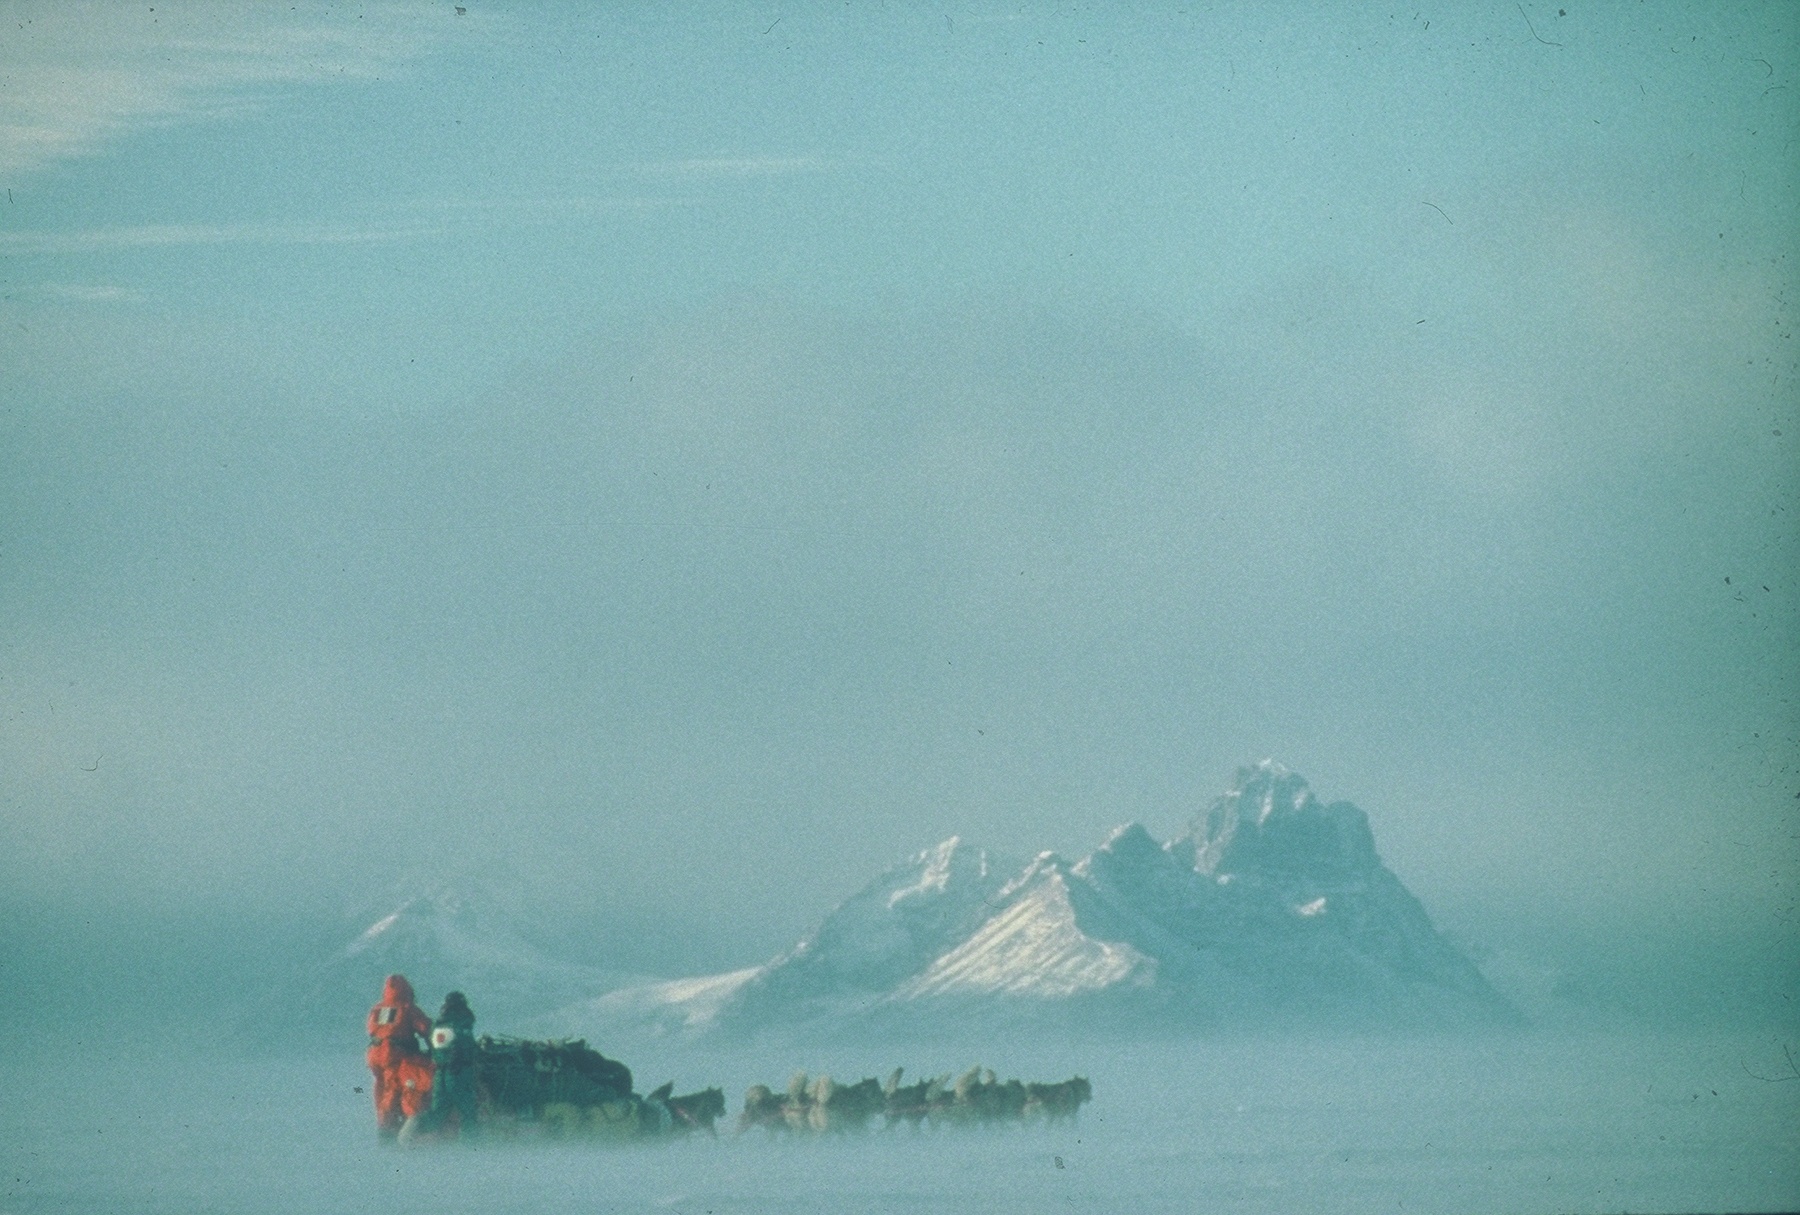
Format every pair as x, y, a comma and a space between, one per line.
1273, 909
1270, 822
1130, 842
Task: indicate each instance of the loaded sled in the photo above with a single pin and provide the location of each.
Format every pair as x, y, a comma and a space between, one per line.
561, 1089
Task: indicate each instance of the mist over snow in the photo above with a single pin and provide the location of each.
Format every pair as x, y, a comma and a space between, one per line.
1599, 1123
563, 503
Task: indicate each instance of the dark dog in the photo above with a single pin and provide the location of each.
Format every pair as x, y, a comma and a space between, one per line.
1003, 1102
763, 1108
911, 1103
1057, 1101
843, 1107
694, 1112
980, 1096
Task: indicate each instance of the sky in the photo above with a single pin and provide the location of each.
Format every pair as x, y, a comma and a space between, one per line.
696, 460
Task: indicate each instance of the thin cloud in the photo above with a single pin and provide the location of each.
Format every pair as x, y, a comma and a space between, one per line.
539, 209
92, 293
419, 219
79, 76
150, 236
735, 166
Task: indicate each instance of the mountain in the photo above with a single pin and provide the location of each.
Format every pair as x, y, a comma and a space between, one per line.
875, 940
1273, 910
473, 935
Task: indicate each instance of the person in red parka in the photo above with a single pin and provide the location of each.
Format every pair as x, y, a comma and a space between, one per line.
397, 1057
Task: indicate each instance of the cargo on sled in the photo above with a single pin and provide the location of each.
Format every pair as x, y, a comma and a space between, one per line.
564, 1089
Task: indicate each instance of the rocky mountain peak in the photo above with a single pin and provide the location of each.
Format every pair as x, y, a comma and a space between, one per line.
1131, 843
950, 866
1270, 824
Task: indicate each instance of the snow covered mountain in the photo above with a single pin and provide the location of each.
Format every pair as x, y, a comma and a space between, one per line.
873, 942
1273, 910
476, 936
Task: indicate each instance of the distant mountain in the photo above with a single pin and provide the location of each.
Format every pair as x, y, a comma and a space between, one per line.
472, 935
1274, 910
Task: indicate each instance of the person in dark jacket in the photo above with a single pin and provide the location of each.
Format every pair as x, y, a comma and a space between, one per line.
453, 1060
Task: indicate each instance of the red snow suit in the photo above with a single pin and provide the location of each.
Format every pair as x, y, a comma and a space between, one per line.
416, 1076
401, 1067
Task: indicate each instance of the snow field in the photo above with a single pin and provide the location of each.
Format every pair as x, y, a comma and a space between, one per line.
1515, 1122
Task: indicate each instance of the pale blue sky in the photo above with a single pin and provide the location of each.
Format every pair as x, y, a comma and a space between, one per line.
728, 452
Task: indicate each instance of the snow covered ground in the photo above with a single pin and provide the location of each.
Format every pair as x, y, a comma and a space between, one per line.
1509, 1122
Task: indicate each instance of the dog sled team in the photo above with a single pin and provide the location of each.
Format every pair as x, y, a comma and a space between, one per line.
434, 1079
975, 1096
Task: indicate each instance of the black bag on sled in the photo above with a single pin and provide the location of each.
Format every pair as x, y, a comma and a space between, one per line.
520, 1077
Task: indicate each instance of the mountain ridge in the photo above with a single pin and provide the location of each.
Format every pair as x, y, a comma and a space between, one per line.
1272, 910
